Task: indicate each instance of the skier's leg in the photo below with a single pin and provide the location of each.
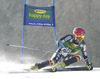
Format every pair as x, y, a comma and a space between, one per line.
70, 61
48, 62
73, 60
43, 64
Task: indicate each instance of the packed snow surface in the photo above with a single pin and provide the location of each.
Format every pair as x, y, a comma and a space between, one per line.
15, 71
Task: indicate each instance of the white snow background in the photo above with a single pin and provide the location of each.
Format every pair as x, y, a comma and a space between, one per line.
9, 70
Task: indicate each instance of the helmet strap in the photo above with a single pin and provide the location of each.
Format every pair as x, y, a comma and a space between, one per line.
75, 36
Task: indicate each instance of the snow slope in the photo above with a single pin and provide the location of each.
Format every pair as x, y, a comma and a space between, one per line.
6, 70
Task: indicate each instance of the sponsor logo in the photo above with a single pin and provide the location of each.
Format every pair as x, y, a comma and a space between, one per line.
40, 11
72, 46
67, 38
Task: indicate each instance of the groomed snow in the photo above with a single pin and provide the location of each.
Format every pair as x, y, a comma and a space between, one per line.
6, 70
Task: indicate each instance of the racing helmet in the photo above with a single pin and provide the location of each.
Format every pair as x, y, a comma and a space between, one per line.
78, 32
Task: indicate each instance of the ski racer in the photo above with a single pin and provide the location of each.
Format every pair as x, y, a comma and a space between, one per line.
68, 47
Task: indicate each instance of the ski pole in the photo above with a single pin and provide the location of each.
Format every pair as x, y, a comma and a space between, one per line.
18, 46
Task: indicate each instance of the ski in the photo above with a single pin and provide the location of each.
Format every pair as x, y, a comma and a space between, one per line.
54, 69
88, 68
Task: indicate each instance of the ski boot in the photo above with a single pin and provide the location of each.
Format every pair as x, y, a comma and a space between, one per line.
35, 67
59, 66
62, 64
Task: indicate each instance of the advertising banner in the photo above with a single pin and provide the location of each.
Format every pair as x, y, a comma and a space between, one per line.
39, 16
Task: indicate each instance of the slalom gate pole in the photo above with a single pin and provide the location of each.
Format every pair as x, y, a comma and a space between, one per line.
54, 26
23, 34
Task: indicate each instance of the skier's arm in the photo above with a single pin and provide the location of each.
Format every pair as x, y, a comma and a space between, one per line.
66, 38
86, 58
85, 55
62, 40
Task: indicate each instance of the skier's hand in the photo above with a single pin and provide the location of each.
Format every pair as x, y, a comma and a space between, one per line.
64, 52
89, 66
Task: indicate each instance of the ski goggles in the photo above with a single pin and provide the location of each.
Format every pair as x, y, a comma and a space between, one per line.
80, 36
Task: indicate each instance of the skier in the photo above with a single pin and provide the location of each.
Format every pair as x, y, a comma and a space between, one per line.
68, 47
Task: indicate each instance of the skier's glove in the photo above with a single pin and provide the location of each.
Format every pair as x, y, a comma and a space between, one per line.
89, 66
64, 52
